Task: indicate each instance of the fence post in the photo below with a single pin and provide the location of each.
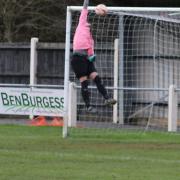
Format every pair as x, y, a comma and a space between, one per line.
172, 109
33, 64
33, 61
72, 114
115, 93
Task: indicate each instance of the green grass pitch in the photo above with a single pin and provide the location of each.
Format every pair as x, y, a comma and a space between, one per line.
39, 153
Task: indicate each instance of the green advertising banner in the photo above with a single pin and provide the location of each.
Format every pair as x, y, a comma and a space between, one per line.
32, 101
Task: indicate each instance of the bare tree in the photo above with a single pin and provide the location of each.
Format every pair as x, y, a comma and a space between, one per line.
22, 19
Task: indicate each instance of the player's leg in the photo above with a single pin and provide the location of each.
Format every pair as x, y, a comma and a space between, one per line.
80, 67
85, 94
96, 78
85, 90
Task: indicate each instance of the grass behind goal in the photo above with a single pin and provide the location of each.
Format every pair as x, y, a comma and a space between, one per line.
40, 153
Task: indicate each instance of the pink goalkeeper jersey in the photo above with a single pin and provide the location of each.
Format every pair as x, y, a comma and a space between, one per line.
83, 38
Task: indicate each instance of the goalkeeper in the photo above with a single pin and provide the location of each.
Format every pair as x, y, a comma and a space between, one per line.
83, 58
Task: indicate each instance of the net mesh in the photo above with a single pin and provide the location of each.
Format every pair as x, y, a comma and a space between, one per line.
148, 62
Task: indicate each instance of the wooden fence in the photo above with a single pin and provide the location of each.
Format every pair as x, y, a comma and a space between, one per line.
15, 63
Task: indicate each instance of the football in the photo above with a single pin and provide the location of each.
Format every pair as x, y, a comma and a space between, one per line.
101, 10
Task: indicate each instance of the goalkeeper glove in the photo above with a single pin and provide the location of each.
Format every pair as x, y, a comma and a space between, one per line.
92, 58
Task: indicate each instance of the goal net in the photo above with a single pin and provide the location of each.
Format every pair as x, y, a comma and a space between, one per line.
138, 58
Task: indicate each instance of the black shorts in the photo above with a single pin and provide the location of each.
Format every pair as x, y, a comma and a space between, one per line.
82, 66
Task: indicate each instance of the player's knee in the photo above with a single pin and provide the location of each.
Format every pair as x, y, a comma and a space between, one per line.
93, 75
83, 78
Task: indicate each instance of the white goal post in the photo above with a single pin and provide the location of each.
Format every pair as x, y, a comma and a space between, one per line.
146, 43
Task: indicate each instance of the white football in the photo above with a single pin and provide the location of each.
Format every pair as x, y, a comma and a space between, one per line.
101, 10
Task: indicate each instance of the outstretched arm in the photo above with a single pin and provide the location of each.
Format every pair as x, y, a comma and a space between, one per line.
86, 3
84, 13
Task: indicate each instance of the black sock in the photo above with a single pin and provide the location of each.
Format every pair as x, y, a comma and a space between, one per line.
101, 87
85, 92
